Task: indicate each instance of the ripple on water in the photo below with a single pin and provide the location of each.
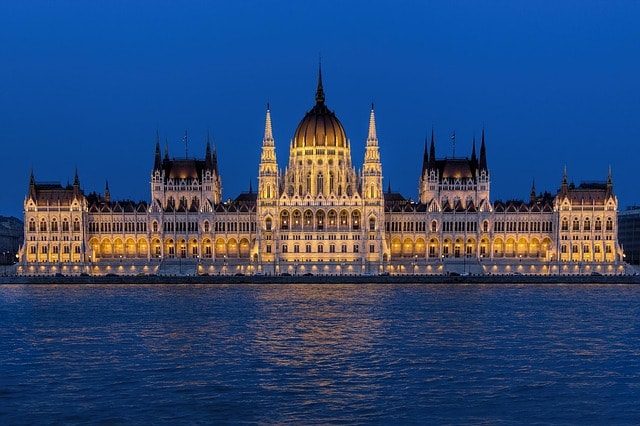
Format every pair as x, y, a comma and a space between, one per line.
302, 354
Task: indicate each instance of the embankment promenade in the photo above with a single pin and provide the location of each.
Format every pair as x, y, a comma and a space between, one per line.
320, 279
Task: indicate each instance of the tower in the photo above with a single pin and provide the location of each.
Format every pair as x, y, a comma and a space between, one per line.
268, 194
372, 195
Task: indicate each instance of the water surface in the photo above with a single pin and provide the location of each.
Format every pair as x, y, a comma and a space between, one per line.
310, 354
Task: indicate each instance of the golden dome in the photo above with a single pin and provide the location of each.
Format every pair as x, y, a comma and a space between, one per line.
320, 126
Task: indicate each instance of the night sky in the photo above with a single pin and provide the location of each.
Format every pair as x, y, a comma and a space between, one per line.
86, 84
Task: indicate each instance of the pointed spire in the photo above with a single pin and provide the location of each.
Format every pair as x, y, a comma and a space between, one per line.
610, 177
532, 194
214, 158
372, 126
107, 193
166, 149
320, 90
432, 152
268, 131
389, 187
32, 186
76, 180
208, 164
425, 155
473, 150
157, 162
483, 154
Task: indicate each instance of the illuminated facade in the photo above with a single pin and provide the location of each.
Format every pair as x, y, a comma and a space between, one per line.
320, 216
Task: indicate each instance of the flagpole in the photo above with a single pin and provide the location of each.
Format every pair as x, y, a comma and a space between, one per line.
186, 145
453, 138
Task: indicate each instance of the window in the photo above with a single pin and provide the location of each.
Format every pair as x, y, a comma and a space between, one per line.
485, 226
285, 248
155, 226
609, 225
307, 248
269, 248
296, 248
598, 225
372, 224
268, 224
43, 226
372, 248
206, 226
356, 248
32, 225
565, 224
587, 224
576, 224
434, 226
54, 226
355, 219
76, 225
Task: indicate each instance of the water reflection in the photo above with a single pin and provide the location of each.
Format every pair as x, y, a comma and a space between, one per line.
319, 354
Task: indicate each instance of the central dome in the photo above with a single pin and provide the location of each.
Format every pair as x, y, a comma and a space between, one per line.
320, 126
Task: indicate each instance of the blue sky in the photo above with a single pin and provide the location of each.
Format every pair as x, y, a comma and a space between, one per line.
86, 83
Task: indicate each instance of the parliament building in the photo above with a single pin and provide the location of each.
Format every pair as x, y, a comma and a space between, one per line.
319, 216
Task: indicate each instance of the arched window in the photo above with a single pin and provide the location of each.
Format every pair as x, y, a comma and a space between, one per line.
576, 224
76, 225
565, 224
434, 226
206, 226
609, 225
32, 225
65, 225
355, 219
485, 226
343, 218
267, 224
154, 226
598, 225
330, 182
308, 182
372, 224
284, 220
296, 218
54, 226
308, 218
320, 219
43, 225
320, 183
587, 224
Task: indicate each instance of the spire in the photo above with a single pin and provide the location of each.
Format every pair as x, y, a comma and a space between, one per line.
268, 131
389, 187
32, 185
372, 126
208, 164
425, 155
166, 150
609, 183
157, 163
432, 152
250, 186
532, 194
76, 180
214, 159
473, 150
565, 184
483, 154
107, 193
320, 90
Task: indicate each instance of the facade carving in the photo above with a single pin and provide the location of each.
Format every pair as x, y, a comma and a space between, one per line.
320, 216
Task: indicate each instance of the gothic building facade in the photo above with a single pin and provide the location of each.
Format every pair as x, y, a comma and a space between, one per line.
320, 216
